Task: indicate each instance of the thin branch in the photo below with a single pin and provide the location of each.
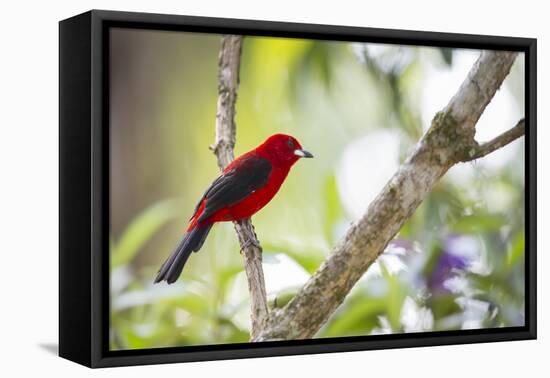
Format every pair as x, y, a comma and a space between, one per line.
479, 151
228, 84
449, 136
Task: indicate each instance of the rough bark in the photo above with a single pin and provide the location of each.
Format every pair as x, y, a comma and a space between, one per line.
449, 140
228, 83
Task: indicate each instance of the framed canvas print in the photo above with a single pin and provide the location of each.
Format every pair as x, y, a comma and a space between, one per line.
234, 188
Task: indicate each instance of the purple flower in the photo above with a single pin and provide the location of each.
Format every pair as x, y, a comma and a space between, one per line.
458, 253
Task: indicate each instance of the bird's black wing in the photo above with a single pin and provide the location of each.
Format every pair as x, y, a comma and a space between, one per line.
248, 174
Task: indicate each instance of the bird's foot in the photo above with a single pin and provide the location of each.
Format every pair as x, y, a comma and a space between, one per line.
247, 236
250, 241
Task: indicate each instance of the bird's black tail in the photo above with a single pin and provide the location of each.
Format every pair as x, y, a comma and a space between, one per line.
172, 267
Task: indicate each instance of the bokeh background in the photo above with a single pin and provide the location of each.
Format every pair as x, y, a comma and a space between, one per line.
360, 108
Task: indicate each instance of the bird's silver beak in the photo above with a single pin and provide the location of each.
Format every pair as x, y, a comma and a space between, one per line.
303, 153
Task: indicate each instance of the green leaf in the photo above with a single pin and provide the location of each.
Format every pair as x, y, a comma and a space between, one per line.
358, 318
433, 259
395, 297
141, 229
474, 224
443, 305
517, 250
282, 298
195, 304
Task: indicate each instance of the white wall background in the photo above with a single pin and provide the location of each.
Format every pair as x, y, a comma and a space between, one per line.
29, 186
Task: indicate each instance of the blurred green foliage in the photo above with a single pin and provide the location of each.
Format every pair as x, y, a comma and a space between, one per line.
457, 263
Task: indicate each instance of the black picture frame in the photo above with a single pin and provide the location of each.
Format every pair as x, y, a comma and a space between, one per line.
84, 188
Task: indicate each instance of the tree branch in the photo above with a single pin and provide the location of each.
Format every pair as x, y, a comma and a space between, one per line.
448, 140
228, 82
479, 151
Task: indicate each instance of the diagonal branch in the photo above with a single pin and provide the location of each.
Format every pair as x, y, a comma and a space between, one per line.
479, 151
228, 83
446, 142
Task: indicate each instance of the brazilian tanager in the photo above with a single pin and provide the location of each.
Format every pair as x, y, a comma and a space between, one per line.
243, 188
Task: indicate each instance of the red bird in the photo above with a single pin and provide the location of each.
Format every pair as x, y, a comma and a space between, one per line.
244, 187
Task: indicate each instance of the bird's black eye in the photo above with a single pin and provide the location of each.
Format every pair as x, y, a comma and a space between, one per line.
290, 143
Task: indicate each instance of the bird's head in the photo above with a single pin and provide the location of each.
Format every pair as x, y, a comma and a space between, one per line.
283, 149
